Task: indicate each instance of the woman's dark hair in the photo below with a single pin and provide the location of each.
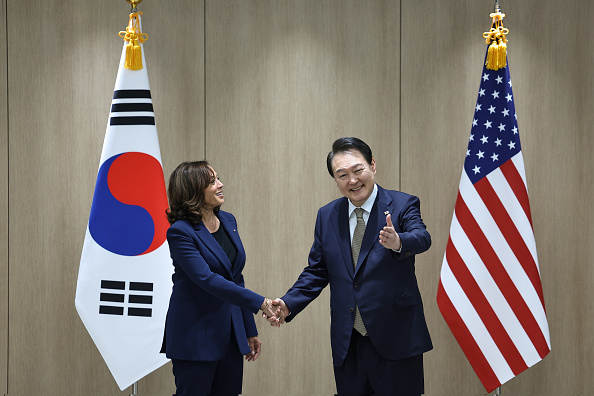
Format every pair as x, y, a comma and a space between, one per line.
186, 191
345, 144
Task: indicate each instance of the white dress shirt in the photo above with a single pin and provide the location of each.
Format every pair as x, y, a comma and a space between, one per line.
367, 206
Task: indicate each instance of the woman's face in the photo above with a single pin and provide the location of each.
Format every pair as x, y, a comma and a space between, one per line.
213, 193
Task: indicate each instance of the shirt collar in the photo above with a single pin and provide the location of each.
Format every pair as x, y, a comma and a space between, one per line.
368, 205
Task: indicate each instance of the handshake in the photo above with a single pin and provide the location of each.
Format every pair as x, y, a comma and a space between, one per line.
275, 311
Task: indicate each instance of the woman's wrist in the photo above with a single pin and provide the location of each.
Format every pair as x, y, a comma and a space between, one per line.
266, 304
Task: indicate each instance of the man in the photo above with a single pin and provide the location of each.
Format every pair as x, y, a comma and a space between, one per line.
365, 246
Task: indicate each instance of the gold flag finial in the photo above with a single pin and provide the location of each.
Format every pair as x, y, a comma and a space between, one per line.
134, 37
134, 3
495, 37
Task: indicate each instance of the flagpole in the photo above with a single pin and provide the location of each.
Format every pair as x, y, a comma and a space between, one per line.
497, 9
134, 389
133, 4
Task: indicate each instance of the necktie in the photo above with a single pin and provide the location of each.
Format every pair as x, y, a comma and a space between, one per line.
355, 249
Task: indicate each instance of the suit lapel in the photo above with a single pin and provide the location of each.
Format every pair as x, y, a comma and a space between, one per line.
375, 223
340, 222
212, 245
229, 226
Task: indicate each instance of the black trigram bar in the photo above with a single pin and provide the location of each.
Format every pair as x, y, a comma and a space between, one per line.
107, 310
132, 107
112, 297
108, 284
147, 312
123, 107
142, 286
137, 299
132, 94
115, 297
140, 299
132, 120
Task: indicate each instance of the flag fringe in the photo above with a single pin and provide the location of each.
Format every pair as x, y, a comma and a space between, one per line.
497, 54
134, 37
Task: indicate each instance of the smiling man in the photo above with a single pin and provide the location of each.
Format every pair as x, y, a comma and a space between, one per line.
365, 246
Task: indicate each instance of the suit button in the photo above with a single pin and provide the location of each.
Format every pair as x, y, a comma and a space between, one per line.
352, 310
356, 285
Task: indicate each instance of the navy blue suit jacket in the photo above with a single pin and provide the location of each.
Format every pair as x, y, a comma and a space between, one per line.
208, 296
384, 284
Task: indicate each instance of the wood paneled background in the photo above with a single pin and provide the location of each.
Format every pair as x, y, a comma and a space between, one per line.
261, 89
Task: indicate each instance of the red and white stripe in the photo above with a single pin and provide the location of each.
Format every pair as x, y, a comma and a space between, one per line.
490, 292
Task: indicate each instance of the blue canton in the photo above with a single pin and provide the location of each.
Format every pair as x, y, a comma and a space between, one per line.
494, 137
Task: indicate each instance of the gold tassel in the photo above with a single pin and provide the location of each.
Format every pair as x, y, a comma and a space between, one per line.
492, 55
134, 38
495, 37
502, 52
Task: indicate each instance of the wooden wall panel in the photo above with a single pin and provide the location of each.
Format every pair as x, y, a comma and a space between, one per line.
442, 52
442, 56
3, 204
175, 52
554, 90
284, 79
60, 87
61, 84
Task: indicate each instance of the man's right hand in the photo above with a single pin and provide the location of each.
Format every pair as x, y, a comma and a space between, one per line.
282, 311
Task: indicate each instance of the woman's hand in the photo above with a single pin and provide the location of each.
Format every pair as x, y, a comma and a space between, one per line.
256, 347
272, 313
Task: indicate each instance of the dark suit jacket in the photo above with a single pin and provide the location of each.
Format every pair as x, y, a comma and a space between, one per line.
208, 297
384, 284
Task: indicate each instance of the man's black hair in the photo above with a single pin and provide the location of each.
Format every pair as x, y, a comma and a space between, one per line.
345, 144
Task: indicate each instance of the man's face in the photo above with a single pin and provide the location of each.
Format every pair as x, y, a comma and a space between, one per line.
354, 176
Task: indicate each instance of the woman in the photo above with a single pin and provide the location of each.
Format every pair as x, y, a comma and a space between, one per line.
210, 321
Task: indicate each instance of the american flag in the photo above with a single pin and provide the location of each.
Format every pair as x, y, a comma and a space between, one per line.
490, 292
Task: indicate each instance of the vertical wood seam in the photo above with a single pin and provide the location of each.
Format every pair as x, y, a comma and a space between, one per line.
5, 10
204, 70
400, 94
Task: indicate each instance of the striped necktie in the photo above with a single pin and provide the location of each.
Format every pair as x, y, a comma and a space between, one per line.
355, 249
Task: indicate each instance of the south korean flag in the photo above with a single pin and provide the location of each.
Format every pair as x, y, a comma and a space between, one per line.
124, 280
